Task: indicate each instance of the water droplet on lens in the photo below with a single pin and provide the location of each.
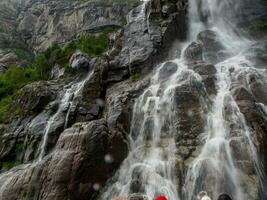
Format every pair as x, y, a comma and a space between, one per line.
109, 158
96, 186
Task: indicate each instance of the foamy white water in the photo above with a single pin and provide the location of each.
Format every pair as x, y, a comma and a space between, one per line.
215, 169
149, 168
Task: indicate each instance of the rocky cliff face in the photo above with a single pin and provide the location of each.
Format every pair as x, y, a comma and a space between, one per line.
74, 133
33, 26
43, 23
13, 50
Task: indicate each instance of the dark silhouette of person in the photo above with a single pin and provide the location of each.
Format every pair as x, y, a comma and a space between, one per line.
224, 197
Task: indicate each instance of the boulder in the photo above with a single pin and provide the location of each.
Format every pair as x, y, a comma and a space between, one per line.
213, 50
34, 97
208, 75
167, 70
86, 103
193, 52
79, 61
242, 94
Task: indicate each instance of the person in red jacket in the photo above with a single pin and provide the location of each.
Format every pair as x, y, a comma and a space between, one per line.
161, 197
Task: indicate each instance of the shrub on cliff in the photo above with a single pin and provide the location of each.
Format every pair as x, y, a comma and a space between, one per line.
17, 77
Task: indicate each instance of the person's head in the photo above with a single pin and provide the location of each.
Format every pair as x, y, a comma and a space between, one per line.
224, 197
201, 194
161, 197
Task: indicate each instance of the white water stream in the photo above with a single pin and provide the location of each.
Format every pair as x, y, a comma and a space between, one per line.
215, 169
149, 168
65, 104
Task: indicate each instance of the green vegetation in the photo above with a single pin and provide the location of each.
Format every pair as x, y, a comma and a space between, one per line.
17, 77
104, 112
19, 147
9, 164
259, 27
135, 77
23, 192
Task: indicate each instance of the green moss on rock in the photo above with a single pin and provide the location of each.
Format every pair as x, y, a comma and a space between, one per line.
9, 164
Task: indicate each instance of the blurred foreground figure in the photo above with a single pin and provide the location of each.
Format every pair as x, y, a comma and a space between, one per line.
224, 197
161, 198
203, 195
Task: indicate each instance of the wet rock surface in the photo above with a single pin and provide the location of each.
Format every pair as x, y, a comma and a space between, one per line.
251, 101
213, 50
74, 170
147, 31
92, 113
80, 61
257, 54
194, 52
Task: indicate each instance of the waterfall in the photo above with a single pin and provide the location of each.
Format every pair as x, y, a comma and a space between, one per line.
77, 90
65, 104
219, 16
149, 168
215, 169
62, 106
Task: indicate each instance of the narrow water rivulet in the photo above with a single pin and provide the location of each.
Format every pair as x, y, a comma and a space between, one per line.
64, 107
151, 166
215, 169
173, 102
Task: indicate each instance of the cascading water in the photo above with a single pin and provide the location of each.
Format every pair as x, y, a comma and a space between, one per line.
216, 170
62, 106
150, 166
65, 105
219, 16
77, 90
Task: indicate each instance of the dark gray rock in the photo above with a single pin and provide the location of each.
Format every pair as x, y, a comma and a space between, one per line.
192, 104
167, 70
23, 133
73, 170
257, 54
79, 61
34, 97
247, 90
194, 52
85, 105
213, 50
38, 19
145, 36
208, 75
57, 72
